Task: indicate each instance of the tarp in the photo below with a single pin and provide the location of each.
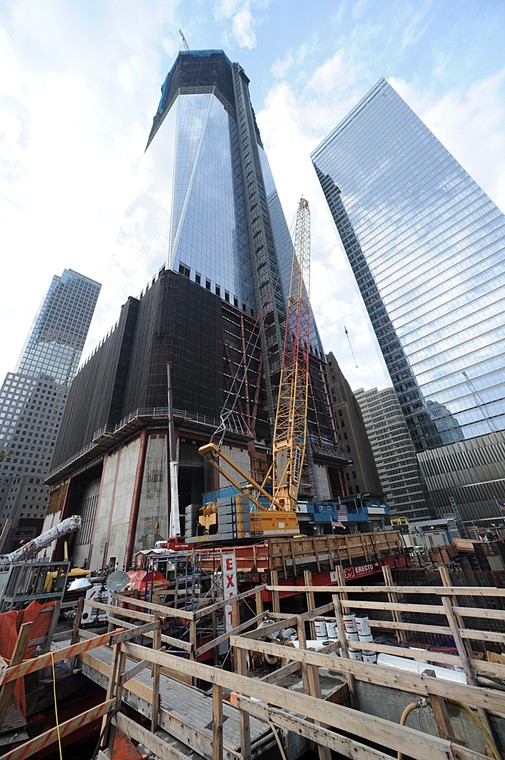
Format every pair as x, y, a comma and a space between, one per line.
10, 624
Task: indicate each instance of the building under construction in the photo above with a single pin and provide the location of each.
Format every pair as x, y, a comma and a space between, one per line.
213, 242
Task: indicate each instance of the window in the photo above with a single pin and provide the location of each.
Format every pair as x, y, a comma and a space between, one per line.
198, 278
183, 269
218, 290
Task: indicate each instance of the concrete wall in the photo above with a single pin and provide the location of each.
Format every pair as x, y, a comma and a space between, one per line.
390, 703
322, 483
241, 457
115, 505
152, 523
86, 508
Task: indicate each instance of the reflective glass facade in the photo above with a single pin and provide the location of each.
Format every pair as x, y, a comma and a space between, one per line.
190, 213
427, 247
33, 398
54, 346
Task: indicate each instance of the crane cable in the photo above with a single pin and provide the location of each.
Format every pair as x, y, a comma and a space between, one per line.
330, 280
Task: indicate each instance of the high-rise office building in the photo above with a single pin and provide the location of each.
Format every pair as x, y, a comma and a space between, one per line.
33, 397
393, 452
361, 472
207, 234
426, 246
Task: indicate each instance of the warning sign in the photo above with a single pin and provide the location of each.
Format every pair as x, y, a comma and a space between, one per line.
229, 569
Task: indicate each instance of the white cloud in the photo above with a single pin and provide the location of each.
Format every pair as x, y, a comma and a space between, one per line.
334, 75
292, 124
282, 66
241, 13
71, 135
471, 124
243, 28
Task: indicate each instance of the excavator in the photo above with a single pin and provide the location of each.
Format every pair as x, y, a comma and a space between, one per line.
248, 509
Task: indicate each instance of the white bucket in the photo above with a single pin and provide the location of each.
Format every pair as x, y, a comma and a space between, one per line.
349, 623
320, 628
369, 656
367, 639
351, 636
363, 626
355, 654
331, 629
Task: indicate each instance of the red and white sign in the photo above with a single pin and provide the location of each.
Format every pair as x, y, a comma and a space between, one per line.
230, 588
356, 571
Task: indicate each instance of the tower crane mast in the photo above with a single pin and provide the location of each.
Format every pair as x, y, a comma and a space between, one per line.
290, 431
274, 514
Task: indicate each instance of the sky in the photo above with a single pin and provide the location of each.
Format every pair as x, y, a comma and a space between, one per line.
80, 83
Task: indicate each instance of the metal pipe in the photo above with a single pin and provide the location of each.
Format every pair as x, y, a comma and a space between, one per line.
174, 516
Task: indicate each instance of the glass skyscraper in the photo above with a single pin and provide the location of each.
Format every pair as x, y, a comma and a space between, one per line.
32, 400
201, 271
192, 211
427, 248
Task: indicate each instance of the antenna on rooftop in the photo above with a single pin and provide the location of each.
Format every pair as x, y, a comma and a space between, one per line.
184, 40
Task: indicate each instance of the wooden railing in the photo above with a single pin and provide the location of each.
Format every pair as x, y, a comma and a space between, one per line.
334, 727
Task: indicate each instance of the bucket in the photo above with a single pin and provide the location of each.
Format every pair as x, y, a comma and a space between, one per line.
320, 628
369, 656
351, 636
331, 629
367, 639
355, 654
363, 626
349, 623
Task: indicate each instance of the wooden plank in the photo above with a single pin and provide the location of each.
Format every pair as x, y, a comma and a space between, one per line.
343, 643
37, 663
479, 612
160, 608
120, 611
430, 609
217, 723
465, 662
133, 671
314, 689
156, 681
52, 626
399, 738
393, 597
341, 744
225, 636
442, 717
468, 634
177, 643
490, 699
77, 621
110, 695
258, 598
117, 691
147, 738
276, 605
260, 633
33, 746
239, 657
484, 591
18, 653
420, 627
281, 673
221, 604
311, 601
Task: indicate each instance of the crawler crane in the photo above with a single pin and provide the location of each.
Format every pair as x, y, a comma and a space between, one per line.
255, 512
